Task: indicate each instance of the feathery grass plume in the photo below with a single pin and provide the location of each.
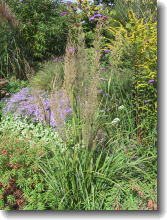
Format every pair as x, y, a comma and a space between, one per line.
70, 74
7, 15
40, 103
89, 110
81, 80
75, 70
60, 104
14, 59
70, 71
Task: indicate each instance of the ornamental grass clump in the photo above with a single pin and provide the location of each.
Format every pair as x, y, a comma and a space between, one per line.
15, 53
7, 15
48, 72
81, 82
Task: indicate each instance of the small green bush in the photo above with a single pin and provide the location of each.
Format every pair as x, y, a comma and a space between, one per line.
41, 25
22, 146
15, 85
48, 73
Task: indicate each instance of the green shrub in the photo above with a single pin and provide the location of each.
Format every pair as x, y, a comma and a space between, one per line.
15, 85
41, 25
47, 74
22, 146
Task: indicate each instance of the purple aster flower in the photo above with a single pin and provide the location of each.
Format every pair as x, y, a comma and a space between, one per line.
103, 68
146, 101
69, 110
92, 18
56, 59
86, 91
21, 0
98, 15
147, 41
105, 17
63, 13
107, 51
106, 94
100, 91
36, 105
29, 22
71, 49
151, 81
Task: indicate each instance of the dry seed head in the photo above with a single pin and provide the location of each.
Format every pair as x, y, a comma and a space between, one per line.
69, 66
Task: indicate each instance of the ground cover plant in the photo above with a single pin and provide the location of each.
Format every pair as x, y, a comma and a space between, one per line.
78, 118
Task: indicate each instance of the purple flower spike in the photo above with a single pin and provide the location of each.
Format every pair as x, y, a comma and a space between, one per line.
151, 81
106, 94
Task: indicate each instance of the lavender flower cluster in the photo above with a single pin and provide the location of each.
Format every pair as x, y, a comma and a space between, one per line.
96, 16
26, 103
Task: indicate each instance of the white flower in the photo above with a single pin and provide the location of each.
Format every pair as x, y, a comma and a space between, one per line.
121, 107
116, 120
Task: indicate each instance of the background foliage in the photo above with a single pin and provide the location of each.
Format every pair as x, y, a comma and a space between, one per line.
78, 126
